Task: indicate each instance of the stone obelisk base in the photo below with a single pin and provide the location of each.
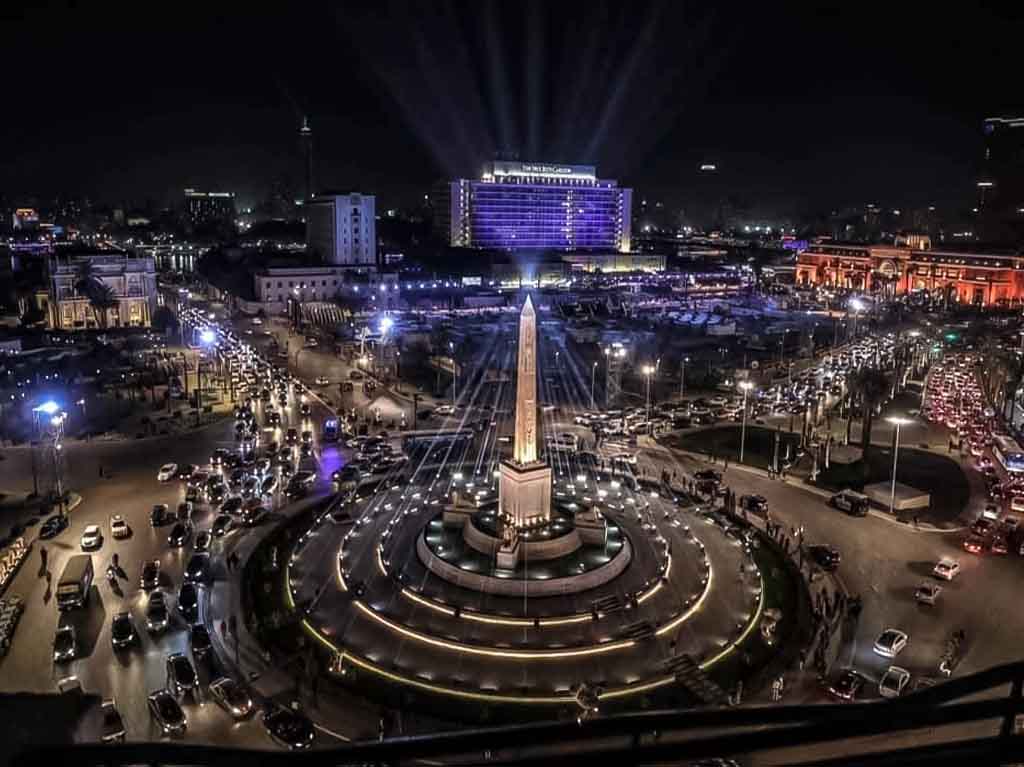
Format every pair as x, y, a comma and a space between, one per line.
524, 495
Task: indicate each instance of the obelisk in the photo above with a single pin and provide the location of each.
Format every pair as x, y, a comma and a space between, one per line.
525, 448
524, 496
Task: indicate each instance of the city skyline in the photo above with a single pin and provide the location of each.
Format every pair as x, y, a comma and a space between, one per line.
796, 111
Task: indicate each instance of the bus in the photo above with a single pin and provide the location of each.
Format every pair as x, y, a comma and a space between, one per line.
1009, 454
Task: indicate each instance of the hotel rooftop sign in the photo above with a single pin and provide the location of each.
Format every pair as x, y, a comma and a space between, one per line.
540, 170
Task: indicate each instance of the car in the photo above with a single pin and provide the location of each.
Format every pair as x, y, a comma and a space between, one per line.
250, 487
184, 511
291, 436
231, 696
199, 639
118, 527
217, 493
167, 472
188, 600
53, 526
92, 538
179, 534
847, 685
999, 545
974, 544
305, 410
927, 593
157, 618
222, 525
269, 485
122, 631
182, 678
824, 556
983, 526
198, 568
65, 644
159, 516
444, 410
167, 712
890, 643
289, 728
756, 504
253, 515
894, 681
217, 459
270, 450
113, 724
231, 506
305, 450
202, 541
322, 381
150, 577
185, 471
263, 466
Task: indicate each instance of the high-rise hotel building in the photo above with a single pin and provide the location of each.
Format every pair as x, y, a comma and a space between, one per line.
535, 206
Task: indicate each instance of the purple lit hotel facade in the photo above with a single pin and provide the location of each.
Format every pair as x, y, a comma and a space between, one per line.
536, 206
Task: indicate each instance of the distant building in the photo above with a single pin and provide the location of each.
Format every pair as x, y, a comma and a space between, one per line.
209, 208
131, 280
25, 218
535, 206
971, 278
341, 229
1000, 183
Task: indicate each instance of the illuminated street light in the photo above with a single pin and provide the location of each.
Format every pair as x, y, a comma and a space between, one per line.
208, 336
746, 386
48, 408
647, 370
386, 324
897, 422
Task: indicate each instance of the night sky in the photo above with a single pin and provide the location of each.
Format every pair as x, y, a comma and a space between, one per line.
802, 108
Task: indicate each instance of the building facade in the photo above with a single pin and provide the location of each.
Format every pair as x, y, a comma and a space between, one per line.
970, 278
342, 229
204, 208
277, 288
131, 280
534, 206
1000, 181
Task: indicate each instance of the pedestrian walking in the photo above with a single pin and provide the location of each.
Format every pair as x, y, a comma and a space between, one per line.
224, 630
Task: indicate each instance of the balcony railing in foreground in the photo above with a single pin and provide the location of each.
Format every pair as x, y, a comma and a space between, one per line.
968, 721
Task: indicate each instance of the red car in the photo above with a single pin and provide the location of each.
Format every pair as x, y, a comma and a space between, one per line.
974, 544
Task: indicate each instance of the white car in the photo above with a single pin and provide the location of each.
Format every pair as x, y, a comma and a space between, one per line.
946, 568
927, 593
118, 527
167, 472
891, 643
894, 681
322, 381
444, 410
92, 538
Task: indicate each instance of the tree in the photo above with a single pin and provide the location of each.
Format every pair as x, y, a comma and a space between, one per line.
102, 300
164, 319
872, 386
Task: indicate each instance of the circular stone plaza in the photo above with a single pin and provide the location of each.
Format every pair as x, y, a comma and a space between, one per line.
500, 573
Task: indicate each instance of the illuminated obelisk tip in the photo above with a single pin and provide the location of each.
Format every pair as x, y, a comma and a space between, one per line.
525, 448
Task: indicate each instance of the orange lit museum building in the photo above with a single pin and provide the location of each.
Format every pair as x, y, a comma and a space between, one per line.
912, 266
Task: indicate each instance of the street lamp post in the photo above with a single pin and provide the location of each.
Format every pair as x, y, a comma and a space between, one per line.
746, 386
897, 422
647, 372
682, 377
593, 375
455, 373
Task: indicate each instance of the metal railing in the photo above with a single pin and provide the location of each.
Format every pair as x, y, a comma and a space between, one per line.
670, 736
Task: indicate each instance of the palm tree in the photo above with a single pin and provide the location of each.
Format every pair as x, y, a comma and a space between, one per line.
872, 386
102, 299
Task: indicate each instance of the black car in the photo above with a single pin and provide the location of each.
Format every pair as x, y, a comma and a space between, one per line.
253, 515
306, 450
222, 525
847, 685
824, 556
188, 600
231, 506
291, 436
755, 504
159, 516
217, 493
271, 450
53, 526
179, 534
185, 471
122, 631
197, 568
157, 618
708, 475
237, 477
289, 728
269, 485
167, 712
199, 638
150, 575
181, 675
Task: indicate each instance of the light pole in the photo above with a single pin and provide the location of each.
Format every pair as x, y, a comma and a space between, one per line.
897, 422
682, 377
647, 372
746, 386
593, 376
857, 306
455, 373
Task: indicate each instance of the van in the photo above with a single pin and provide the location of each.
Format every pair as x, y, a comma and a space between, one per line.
853, 503
74, 584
